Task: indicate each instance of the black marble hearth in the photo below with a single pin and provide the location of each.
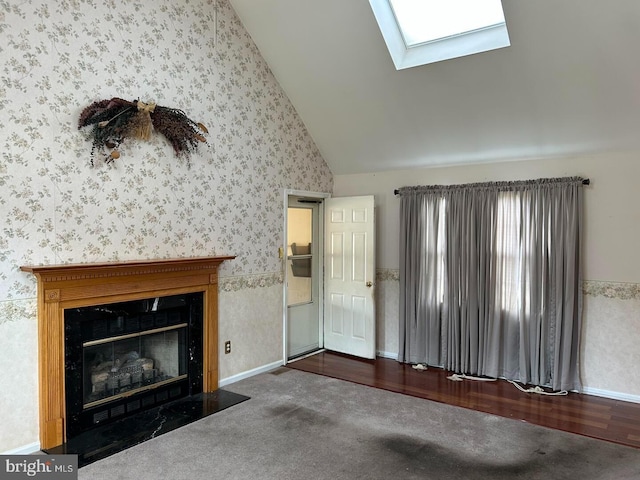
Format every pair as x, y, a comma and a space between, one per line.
106, 440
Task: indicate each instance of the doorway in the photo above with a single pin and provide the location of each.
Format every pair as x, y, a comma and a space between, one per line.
303, 275
329, 275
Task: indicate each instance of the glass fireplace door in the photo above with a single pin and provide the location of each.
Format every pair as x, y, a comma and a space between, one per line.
120, 366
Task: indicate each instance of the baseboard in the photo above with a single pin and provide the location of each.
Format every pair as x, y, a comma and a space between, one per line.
249, 373
24, 450
391, 355
625, 397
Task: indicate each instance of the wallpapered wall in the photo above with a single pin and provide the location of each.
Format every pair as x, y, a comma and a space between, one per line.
57, 58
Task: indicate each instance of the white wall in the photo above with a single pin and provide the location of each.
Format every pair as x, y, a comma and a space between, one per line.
611, 332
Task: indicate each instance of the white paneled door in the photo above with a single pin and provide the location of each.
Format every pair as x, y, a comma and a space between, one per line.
349, 325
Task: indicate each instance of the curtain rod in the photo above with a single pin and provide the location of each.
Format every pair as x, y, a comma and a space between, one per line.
586, 181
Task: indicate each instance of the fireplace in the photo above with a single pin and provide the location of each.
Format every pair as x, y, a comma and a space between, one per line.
115, 338
125, 357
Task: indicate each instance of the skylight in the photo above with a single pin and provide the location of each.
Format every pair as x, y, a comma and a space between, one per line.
418, 32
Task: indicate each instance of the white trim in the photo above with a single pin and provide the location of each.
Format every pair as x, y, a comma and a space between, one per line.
310, 354
468, 43
24, 450
390, 355
249, 373
308, 194
625, 397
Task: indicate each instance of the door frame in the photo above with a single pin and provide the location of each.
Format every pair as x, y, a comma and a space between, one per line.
320, 196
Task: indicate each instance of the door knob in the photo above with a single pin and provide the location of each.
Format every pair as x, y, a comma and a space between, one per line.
369, 284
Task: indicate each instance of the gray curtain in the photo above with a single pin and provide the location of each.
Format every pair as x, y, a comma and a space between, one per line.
490, 279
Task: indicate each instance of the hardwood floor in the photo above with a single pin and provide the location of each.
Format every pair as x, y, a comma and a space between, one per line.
605, 419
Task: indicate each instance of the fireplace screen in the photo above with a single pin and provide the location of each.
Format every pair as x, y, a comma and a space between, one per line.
124, 365
124, 358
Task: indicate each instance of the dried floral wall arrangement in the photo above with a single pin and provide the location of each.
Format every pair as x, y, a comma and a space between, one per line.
116, 119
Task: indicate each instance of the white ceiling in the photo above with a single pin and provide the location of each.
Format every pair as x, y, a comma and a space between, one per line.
569, 84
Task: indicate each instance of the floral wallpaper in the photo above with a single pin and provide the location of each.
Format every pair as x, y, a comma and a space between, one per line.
59, 57
227, 199
616, 290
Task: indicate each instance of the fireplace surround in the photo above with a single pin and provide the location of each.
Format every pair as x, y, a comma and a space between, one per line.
69, 288
123, 358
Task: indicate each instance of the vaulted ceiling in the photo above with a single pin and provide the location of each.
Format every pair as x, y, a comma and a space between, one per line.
569, 84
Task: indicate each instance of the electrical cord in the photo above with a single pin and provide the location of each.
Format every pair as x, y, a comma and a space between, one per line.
538, 390
460, 377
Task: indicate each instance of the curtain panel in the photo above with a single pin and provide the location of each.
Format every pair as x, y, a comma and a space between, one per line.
490, 279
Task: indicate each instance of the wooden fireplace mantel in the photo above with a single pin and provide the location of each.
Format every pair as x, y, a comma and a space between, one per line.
79, 285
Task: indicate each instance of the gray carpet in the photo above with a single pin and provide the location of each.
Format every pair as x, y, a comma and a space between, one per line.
300, 425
